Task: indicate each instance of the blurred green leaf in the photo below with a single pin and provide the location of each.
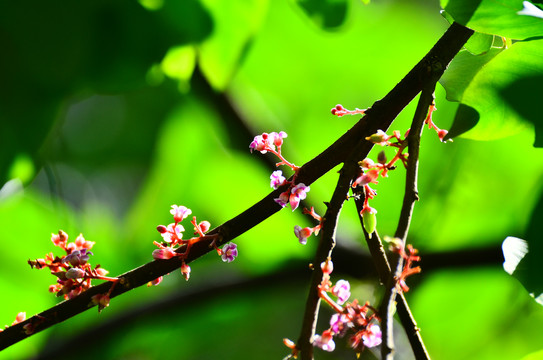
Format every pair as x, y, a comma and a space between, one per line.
496, 17
235, 25
538, 355
328, 14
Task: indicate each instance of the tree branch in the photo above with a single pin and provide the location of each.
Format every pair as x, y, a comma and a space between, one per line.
388, 305
379, 117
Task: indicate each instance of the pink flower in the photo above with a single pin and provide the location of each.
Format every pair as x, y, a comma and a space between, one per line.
325, 341
372, 336
164, 254
277, 138
204, 226
342, 290
173, 233
229, 252
298, 192
267, 142
369, 176
339, 323
59, 239
81, 243
282, 199
302, 234
180, 213
277, 179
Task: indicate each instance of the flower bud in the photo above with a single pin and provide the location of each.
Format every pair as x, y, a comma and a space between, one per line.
369, 220
75, 273
382, 157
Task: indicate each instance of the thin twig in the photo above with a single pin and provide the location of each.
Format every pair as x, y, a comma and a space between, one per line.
380, 117
324, 250
388, 305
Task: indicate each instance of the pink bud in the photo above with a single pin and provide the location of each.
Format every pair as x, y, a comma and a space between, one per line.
75, 273
185, 271
162, 229
165, 253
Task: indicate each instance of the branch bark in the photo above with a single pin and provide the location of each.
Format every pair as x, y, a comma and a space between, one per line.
380, 116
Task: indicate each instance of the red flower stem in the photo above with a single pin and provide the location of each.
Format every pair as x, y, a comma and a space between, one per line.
324, 295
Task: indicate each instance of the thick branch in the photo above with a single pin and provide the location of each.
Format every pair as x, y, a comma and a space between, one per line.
379, 117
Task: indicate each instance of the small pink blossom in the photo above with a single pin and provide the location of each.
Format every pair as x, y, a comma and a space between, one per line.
302, 234
173, 233
342, 290
282, 199
325, 341
229, 252
81, 243
369, 176
267, 142
277, 179
298, 192
339, 323
372, 336
164, 253
180, 213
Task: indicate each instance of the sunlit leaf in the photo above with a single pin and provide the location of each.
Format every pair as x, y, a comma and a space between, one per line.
480, 82
479, 43
498, 17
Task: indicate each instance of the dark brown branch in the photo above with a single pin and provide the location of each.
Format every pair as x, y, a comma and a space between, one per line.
379, 117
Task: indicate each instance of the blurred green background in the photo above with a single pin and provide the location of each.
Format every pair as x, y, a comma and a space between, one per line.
111, 111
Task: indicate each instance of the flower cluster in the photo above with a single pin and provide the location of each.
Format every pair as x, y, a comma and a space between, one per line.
303, 233
273, 142
173, 242
73, 271
410, 256
358, 321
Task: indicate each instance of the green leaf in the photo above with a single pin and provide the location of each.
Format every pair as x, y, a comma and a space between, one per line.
524, 96
479, 43
328, 14
490, 84
498, 17
462, 70
465, 119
